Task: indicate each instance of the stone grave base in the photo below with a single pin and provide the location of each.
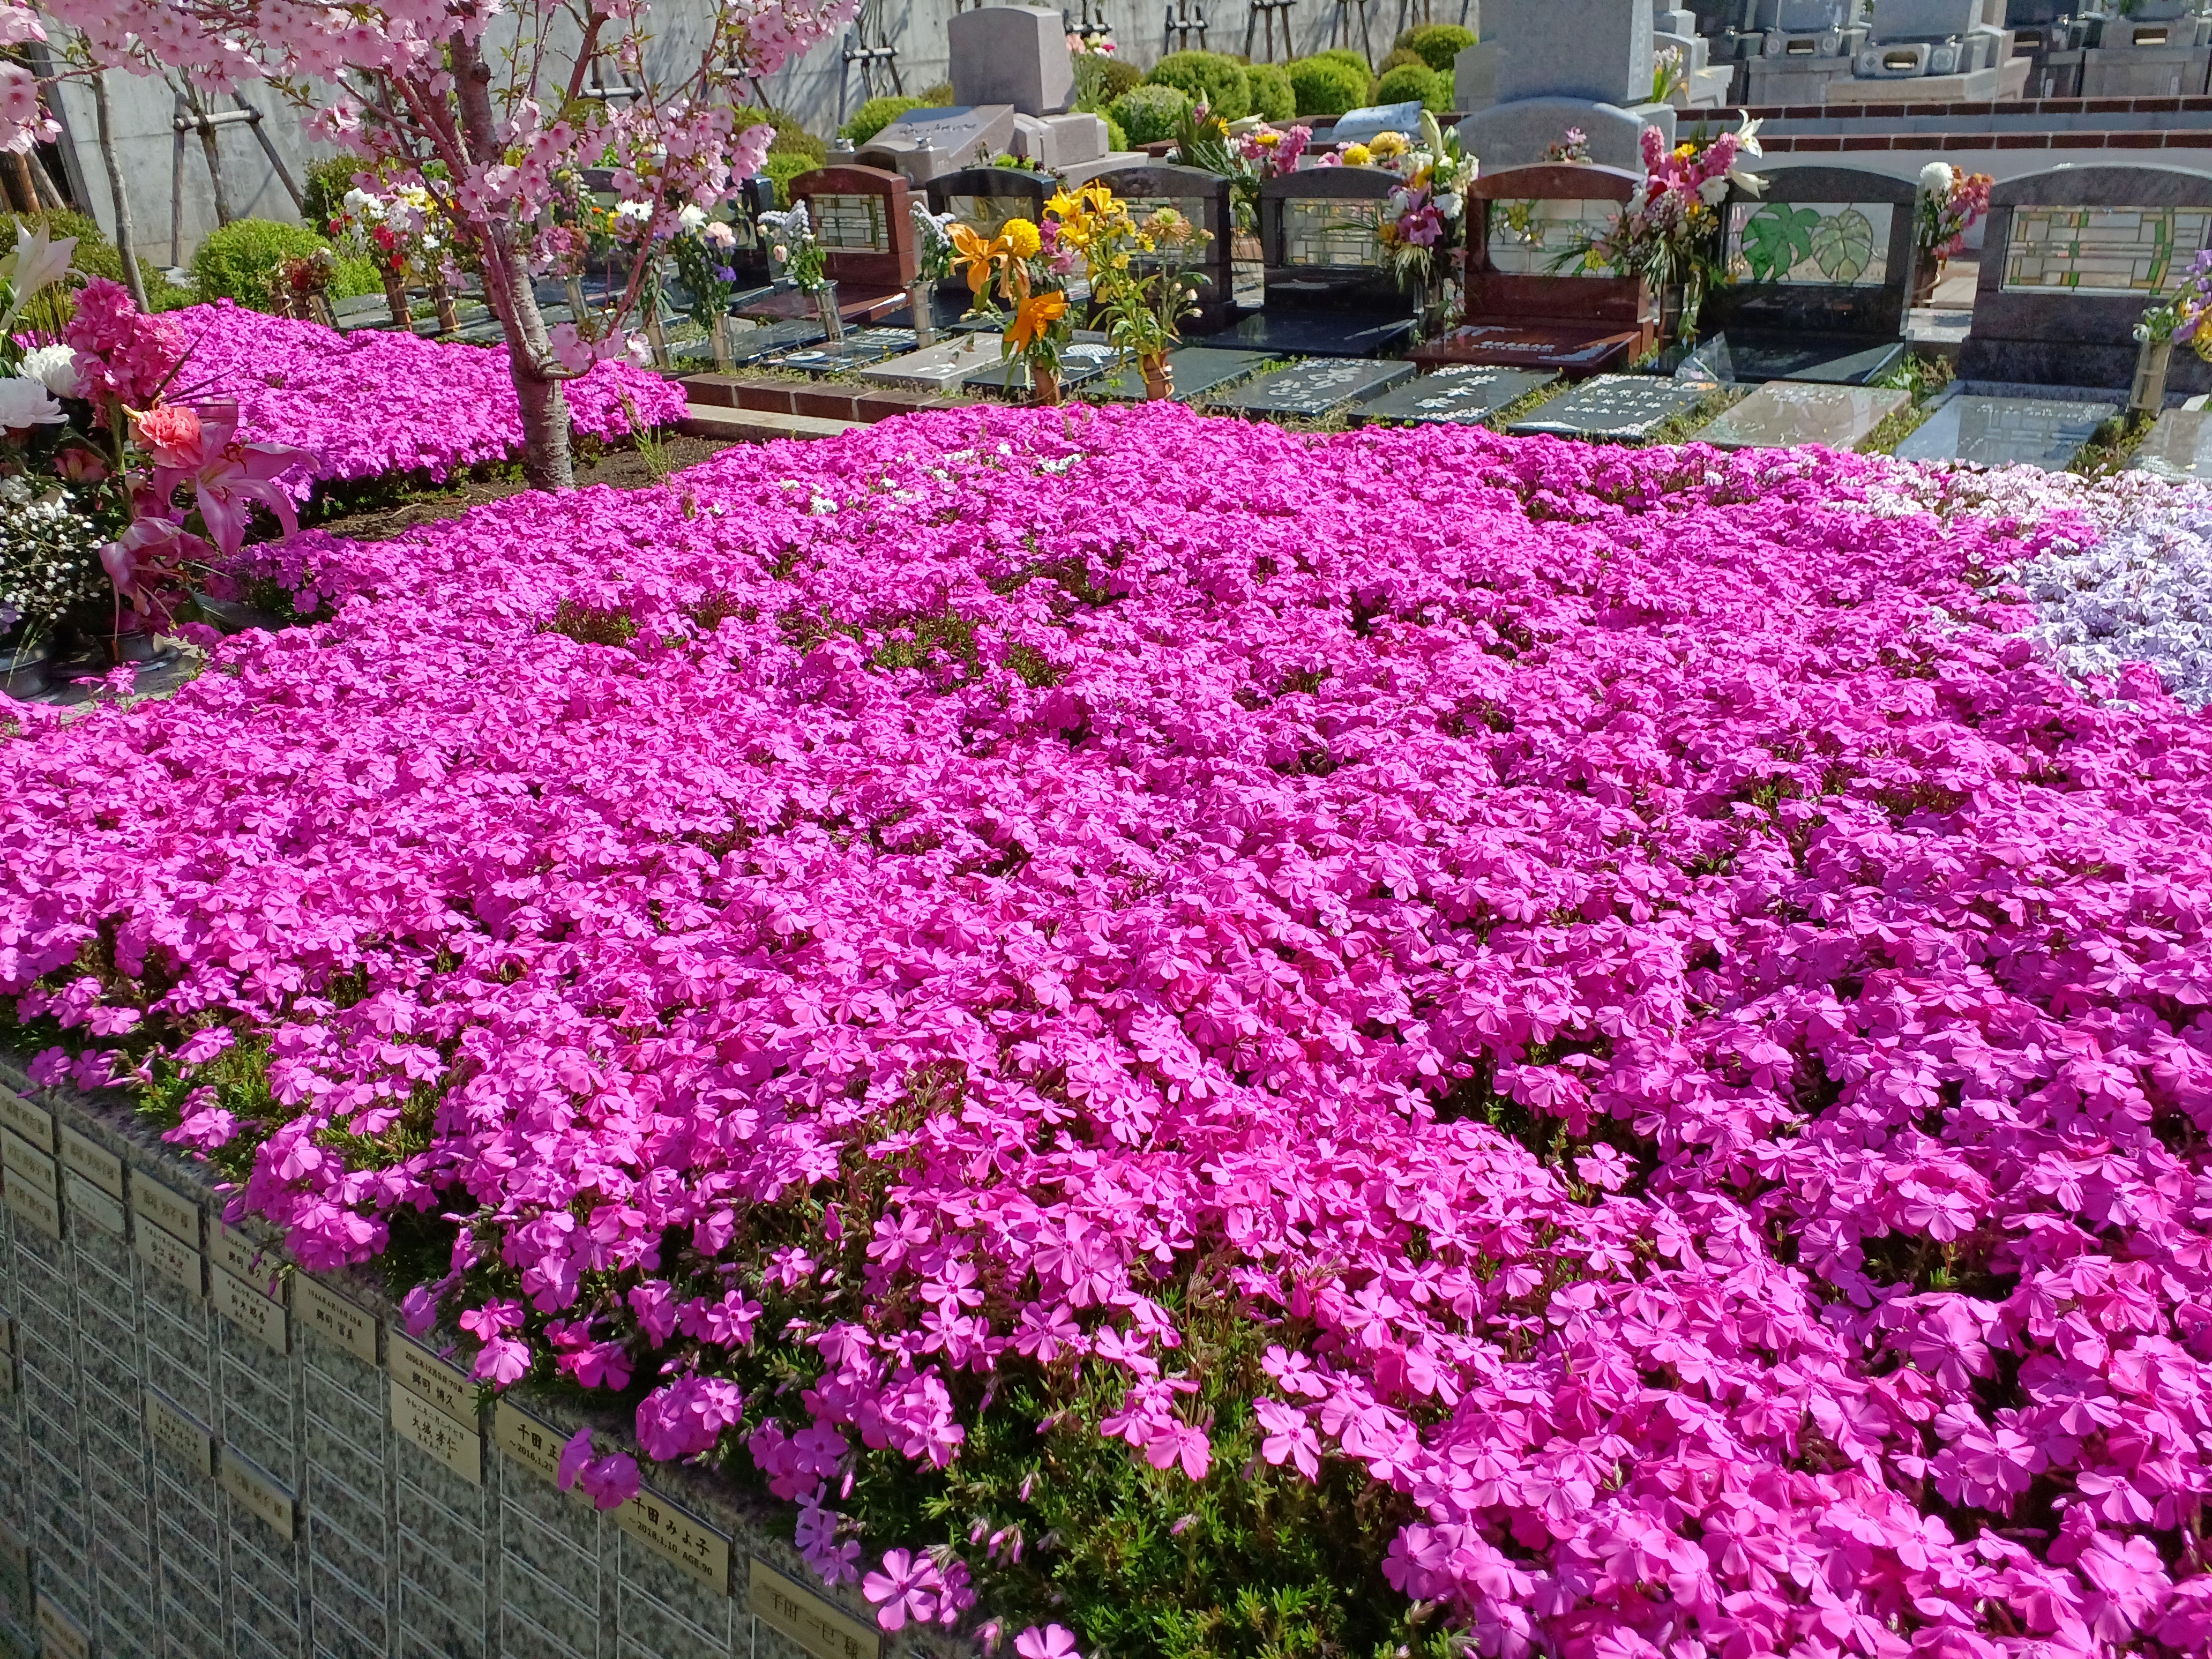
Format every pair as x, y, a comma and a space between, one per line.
1315, 389
2006, 82
2178, 448
1316, 334
2040, 432
1784, 413
1198, 370
1621, 407
1458, 394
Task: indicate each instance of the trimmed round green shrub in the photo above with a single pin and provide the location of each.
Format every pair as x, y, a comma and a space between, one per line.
1272, 97
1344, 55
1149, 113
95, 254
874, 116
235, 263
1438, 44
1411, 80
1115, 138
790, 133
1399, 56
1326, 86
1116, 77
1209, 78
783, 166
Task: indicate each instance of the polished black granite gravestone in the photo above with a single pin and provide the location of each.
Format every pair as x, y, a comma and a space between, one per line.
2178, 448
1085, 359
1782, 414
2040, 432
1314, 389
754, 345
855, 350
1458, 394
1820, 270
1626, 408
2071, 259
983, 199
1198, 370
1206, 200
1326, 293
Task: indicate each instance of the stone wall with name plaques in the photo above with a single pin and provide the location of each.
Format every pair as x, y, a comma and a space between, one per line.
212, 1454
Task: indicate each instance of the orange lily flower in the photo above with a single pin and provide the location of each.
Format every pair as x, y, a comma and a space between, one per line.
1037, 313
982, 259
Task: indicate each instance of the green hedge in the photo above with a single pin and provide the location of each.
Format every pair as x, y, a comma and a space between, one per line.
235, 263
1438, 44
1149, 113
783, 166
1115, 138
95, 255
1207, 78
1411, 80
1345, 56
791, 134
1327, 85
1272, 97
874, 116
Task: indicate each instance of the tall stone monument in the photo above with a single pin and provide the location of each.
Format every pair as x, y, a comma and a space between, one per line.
1546, 65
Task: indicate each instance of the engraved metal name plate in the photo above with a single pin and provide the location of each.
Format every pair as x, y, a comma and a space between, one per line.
93, 1161
815, 1623
426, 1376
35, 1124
425, 1425
535, 1445
335, 1320
250, 1310
683, 1538
168, 1257
241, 1255
168, 1209
254, 1490
91, 1203
175, 1432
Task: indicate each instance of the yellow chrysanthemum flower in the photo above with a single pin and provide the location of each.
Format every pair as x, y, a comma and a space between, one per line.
1021, 235
1356, 156
1387, 144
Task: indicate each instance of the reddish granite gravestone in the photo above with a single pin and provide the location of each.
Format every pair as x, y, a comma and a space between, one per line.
1529, 303
867, 231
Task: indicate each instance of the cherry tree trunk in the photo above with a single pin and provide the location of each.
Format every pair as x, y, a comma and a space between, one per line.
547, 461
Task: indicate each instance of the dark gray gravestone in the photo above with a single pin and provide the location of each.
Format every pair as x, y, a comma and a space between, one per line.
1314, 389
1327, 292
1204, 199
2178, 448
1460, 394
1820, 270
2040, 432
1198, 371
1085, 359
1784, 413
856, 350
753, 345
1626, 408
2071, 259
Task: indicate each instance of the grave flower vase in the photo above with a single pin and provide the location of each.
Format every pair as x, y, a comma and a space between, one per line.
449, 320
919, 301
575, 288
1159, 378
23, 667
1925, 276
395, 297
2148, 395
1044, 383
318, 310
719, 335
825, 307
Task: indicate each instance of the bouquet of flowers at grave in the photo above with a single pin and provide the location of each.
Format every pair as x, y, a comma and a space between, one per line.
1667, 74
1136, 269
932, 241
116, 481
1950, 203
393, 231
299, 285
794, 247
1019, 281
1271, 152
1426, 215
1668, 233
1571, 150
2181, 317
705, 251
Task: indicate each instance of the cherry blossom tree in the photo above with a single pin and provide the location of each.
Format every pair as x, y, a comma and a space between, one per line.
483, 103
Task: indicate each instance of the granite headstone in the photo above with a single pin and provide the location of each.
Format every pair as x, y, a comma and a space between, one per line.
1198, 371
1458, 394
1314, 389
1623, 408
1014, 55
2040, 432
1784, 413
1326, 293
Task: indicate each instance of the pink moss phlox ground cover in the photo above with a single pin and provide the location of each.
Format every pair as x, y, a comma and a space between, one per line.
377, 401
1697, 1034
